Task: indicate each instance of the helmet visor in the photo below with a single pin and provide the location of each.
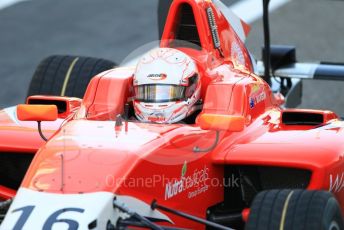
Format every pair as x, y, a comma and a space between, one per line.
159, 93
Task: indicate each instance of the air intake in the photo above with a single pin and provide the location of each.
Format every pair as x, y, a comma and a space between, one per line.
61, 105
186, 30
302, 118
13, 167
254, 179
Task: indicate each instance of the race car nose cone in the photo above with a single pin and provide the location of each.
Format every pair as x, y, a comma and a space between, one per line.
88, 156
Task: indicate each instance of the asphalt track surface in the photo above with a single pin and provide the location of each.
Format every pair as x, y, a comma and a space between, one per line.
111, 29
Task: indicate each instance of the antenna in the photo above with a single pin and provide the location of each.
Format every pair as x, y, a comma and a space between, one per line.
266, 53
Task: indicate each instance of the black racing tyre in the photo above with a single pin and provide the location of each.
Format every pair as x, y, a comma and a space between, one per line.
60, 75
295, 210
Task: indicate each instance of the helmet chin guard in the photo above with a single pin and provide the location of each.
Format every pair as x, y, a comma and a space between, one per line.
167, 86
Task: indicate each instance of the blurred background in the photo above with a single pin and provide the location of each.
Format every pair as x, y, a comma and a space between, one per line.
31, 30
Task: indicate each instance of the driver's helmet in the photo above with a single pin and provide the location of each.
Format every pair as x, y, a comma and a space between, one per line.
167, 86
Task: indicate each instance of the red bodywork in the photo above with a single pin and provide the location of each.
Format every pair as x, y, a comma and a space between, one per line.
146, 161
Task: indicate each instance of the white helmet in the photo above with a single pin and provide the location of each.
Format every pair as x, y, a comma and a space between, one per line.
167, 86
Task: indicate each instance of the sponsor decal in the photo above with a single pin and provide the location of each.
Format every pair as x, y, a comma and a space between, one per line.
255, 88
260, 97
185, 167
237, 55
252, 103
157, 77
195, 183
336, 182
257, 95
39, 210
156, 119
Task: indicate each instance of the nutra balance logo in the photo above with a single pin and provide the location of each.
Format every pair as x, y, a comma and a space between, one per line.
197, 180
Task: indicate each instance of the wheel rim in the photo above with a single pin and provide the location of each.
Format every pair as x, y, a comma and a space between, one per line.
334, 226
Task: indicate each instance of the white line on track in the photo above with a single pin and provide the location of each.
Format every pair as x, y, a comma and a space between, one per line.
7, 3
247, 10
251, 10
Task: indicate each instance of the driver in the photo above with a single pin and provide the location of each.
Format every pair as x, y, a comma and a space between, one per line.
167, 86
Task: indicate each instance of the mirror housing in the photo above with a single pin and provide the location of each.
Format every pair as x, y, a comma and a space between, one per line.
221, 122
37, 112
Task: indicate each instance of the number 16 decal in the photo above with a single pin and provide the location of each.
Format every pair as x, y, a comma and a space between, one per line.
52, 219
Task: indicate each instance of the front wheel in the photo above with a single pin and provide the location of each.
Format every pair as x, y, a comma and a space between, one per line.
295, 209
63, 75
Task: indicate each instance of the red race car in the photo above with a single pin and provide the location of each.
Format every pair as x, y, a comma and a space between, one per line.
191, 137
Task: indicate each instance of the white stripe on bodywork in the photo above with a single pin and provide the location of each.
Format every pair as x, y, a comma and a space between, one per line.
251, 10
7, 3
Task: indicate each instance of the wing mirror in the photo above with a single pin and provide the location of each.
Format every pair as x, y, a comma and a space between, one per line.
37, 113
220, 122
